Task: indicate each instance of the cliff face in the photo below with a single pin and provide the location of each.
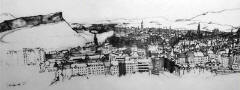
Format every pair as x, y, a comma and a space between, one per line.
50, 32
30, 21
46, 31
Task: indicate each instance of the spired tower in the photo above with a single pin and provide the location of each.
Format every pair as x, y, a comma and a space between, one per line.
96, 42
198, 31
95, 39
142, 25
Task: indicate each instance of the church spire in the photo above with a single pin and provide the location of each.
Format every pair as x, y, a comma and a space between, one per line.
142, 24
95, 39
198, 30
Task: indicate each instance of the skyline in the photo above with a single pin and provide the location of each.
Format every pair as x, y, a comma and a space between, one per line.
94, 11
119, 44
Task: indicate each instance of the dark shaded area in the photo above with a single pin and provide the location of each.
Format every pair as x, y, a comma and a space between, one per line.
119, 41
122, 68
130, 41
170, 65
101, 28
174, 40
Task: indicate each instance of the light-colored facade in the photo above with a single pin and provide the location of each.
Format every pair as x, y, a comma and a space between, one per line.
144, 65
236, 62
79, 69
96, 68
182, 59
114, 69
211, 55
199, 58
131, 67
224, 61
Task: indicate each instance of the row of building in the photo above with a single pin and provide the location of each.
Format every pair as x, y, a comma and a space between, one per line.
220, 60
120, 66
26, 56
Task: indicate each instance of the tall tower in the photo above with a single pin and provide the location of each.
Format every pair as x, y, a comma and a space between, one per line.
198, 30
95, 39
142, 25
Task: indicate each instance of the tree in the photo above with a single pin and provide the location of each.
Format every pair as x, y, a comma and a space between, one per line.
101, 28
127, 51
238, 32
173, 41
238, 35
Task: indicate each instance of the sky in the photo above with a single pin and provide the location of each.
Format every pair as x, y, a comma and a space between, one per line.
90, 11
